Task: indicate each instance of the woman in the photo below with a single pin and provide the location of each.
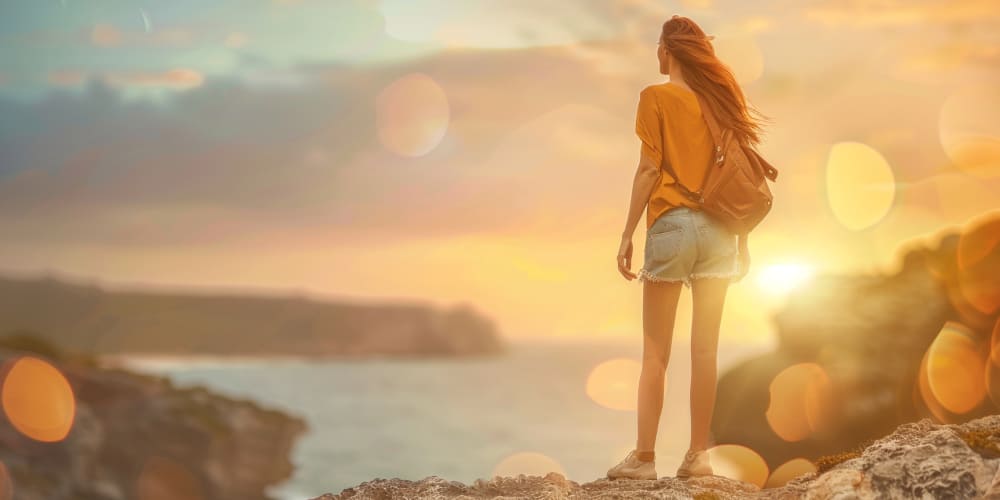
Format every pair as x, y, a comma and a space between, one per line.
683, 244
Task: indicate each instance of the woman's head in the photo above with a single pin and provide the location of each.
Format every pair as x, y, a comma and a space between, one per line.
686, 52
680, 41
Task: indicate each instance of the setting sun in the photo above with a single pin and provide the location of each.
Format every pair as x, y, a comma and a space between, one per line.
780, 278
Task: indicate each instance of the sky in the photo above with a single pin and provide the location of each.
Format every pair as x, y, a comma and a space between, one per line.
483, 152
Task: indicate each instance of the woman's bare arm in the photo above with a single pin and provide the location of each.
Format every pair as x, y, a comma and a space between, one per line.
647, 174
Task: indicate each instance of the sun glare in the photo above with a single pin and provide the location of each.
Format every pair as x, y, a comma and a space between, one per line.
781, 278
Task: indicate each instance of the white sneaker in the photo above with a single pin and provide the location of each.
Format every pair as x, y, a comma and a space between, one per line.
695, 464
633, 468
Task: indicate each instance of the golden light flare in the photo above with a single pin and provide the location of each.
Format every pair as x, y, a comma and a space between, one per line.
789, 470
979, 264
528, 463
163, 478
742, 54
954, 370
782, 278
615, 383
739, 462
38, 400
411, 115
860, 185
970, 131
801, 401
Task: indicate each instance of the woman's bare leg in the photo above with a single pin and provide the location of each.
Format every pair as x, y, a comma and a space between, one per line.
659, 309
709, 297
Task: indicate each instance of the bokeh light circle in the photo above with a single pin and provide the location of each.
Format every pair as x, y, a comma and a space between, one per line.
528, 463
860, 185
38, 400
969, 129
800, 402
411, 115
739, 462
978, 259
955, 369
789, 470
615, 383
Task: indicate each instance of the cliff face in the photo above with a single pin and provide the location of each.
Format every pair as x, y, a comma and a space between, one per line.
89, 319
136, 436
880, 350
918, 460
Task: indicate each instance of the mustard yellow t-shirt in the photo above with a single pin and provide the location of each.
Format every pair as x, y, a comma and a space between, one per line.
672, 130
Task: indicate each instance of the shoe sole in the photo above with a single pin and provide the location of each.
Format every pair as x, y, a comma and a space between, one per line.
654, 476
688, 476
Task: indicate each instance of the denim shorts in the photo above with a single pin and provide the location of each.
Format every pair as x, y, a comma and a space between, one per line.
685, 244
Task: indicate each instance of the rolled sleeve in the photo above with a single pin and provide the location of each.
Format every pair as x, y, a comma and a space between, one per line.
649, 125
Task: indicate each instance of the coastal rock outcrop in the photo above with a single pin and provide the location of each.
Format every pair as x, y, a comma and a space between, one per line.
858, 355
133, 435
918, 460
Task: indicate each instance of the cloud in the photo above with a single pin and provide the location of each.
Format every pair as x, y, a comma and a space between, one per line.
236, 40
230, 160
290, 150
922, 40
177, 78
950, 55
902, 12
107, 35
66, 77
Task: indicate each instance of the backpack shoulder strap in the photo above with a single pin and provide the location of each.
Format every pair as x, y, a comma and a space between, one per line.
713, 129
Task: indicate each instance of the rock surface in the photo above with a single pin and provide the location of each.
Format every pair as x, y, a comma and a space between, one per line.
918, 460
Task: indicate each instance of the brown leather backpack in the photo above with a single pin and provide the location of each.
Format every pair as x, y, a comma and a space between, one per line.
735, 190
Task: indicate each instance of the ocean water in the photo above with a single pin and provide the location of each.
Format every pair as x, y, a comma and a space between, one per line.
453, 418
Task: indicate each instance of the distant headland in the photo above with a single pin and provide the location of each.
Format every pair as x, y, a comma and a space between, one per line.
89, 319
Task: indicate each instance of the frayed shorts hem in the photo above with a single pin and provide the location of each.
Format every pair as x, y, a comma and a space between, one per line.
715, 275
645, 275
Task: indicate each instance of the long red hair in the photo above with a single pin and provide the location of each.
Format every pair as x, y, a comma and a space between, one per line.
711, 78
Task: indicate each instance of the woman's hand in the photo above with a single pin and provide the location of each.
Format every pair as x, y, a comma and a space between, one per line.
625, 258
